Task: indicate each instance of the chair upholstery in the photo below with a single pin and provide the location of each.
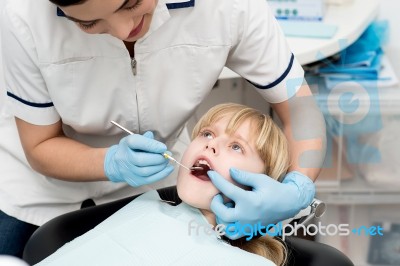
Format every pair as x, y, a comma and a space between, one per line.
60, 230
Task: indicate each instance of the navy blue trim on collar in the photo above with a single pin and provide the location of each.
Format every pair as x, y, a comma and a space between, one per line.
189, 3
40, 105
276, 82
60, 13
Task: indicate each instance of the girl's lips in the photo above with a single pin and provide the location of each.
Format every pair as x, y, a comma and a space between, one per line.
205, 159
136, 30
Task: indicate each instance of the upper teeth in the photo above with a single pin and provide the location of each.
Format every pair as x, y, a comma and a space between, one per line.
203, 162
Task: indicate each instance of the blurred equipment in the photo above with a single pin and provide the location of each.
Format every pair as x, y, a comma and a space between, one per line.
298, 9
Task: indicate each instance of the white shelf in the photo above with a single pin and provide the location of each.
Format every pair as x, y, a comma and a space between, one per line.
356, 184
388, 104
352, 19
392, 198
358, 191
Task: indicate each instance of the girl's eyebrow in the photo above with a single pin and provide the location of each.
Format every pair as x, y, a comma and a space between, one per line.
94, 20
238, 136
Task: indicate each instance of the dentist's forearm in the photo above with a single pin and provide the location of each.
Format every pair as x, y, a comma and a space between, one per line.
68, 160
304, 127
52, 154
306, 156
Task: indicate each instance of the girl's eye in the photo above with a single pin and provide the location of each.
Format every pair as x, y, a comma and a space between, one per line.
206, 134
87, 26
237, 148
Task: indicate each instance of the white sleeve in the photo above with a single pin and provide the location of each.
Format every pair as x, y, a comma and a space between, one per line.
26, 90
261, 54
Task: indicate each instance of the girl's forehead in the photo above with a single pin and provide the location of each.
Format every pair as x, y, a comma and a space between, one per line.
231, 123
245, 128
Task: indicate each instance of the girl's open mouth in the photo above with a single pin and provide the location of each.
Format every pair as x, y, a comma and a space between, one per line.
202, 174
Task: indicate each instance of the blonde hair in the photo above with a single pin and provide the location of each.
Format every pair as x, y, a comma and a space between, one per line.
271, 145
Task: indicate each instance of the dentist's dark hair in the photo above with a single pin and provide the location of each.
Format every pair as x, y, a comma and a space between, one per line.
67, 2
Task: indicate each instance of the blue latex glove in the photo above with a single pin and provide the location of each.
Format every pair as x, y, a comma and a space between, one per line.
137, 160
268, 202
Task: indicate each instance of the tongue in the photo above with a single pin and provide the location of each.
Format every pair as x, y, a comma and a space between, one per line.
203, 177
201, 174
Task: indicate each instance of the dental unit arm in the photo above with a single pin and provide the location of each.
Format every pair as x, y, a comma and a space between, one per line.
316, 209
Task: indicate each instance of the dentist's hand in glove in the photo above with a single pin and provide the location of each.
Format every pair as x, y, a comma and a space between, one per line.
137, 160
268, 202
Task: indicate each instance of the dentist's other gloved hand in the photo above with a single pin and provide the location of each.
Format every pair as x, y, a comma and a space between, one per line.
268, 202
137, 160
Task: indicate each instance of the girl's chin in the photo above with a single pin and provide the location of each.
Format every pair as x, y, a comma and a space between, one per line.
202, 205
195, 196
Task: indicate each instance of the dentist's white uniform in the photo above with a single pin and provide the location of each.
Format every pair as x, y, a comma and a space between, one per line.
55, 71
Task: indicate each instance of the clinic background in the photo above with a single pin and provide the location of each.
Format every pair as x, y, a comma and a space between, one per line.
354, 202
357, 193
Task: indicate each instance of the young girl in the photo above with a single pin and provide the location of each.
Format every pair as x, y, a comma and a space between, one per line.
233, 135
151, 232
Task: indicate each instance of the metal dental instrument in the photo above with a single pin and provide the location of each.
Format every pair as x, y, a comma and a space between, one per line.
166, 155
317, 210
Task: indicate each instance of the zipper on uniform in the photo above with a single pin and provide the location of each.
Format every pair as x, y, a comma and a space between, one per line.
133, 65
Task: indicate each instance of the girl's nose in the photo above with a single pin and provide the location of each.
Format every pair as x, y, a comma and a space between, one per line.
212, 146
211, 149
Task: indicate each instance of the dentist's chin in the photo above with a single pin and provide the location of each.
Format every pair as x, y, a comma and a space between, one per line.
136, 30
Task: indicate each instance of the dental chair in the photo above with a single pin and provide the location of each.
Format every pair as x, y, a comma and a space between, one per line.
62, 229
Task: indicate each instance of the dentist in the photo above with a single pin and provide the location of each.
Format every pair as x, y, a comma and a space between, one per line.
72, 66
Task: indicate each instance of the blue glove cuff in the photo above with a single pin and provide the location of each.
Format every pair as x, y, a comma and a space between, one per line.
108, 165
305, 185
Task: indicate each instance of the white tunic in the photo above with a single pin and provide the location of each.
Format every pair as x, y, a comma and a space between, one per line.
55, 71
